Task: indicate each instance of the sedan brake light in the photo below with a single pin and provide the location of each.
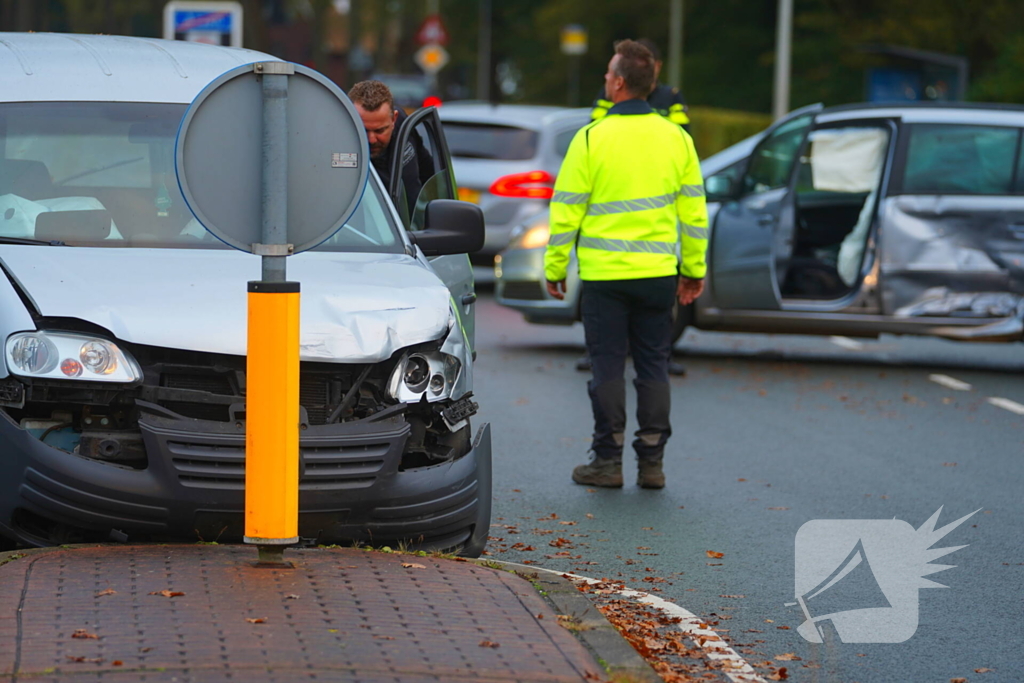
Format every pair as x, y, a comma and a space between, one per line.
532, 185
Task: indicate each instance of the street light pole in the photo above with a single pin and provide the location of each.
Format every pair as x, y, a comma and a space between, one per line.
483, 61
675, 44
783, 49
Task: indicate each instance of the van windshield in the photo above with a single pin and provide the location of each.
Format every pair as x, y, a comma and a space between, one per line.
101, 174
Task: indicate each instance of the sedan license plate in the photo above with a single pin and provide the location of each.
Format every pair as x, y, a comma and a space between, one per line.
468, 195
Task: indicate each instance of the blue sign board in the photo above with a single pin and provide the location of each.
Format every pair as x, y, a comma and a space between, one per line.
219, 23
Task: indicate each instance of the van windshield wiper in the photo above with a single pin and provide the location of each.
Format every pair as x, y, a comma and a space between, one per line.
26, 240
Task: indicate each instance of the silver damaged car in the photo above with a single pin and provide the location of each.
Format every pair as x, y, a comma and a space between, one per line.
123, 322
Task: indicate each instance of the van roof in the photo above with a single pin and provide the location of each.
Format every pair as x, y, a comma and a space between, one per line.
63, 67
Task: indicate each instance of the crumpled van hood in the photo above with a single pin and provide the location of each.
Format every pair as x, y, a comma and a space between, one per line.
354, 307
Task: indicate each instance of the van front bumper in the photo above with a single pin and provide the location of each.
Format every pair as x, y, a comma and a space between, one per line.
352, 487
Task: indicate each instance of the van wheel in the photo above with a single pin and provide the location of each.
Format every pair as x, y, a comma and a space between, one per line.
682, 316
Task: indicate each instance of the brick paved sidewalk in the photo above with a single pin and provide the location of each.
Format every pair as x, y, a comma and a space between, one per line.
338, 615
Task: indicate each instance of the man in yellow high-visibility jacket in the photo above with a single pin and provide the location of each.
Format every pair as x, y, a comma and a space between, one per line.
630, 198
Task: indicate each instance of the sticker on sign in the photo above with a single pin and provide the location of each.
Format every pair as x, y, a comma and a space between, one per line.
342, 160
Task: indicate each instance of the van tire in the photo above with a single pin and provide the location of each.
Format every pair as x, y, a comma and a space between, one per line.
682, 317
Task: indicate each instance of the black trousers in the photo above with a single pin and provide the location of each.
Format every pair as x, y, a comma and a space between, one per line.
619, 317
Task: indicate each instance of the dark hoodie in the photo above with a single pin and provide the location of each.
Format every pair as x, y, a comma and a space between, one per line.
417, 165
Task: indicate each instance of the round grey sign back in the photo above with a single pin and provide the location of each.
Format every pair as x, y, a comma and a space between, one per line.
218, 158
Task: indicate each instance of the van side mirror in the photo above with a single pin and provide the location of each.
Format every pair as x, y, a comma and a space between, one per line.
451, 227
720, 187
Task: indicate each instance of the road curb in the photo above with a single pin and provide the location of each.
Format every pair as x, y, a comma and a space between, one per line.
597, 633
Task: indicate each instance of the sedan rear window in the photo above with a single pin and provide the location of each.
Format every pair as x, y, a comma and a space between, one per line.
488, 141
956, 159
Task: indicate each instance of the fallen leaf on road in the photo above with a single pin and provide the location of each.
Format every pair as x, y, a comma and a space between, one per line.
982, 670
293, 596
168, 593
741, 479
384, 637
780, 675
517, 491
949, 464
117, 662
256, 620
787, 657
108, 591
786, 628
653, 644
958, 680
732, 596
82, 633
94, 660
590, 516
487, 643
591, 490
714, 554
145, 649
413, 565
642, 547
568, 523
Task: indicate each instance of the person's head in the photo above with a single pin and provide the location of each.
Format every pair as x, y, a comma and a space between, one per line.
649, 44
376, 107
630, 72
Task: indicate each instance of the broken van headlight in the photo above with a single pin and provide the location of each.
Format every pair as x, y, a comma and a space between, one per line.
424, 373
59, 355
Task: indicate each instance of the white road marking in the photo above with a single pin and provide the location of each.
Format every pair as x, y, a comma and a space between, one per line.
847, 343
697, 629
950, 382
1007, 404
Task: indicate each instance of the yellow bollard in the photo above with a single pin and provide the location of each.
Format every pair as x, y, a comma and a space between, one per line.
272, 417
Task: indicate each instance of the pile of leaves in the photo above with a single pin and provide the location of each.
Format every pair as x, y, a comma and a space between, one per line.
658, 639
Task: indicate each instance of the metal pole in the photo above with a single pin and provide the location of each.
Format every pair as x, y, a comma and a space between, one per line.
783, 48
272, 357
675, 44
275, 172
483, 61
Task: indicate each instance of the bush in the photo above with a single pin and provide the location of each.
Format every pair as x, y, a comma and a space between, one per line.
715, 129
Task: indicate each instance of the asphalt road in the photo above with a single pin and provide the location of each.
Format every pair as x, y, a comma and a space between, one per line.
772, 432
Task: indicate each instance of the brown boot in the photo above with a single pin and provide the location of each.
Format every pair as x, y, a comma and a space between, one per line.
604, 472
649, 475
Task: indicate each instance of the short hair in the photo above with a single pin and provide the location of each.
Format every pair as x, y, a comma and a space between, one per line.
636, 66
371, 95
649, 44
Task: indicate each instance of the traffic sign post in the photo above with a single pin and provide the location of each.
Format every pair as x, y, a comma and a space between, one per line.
272, 159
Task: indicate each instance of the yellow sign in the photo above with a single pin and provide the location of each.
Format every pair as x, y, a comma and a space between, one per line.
574, 40
431, 58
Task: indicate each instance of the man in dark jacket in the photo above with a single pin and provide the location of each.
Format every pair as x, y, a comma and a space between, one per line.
382, 121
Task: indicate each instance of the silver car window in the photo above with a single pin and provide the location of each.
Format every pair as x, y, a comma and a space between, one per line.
959, 159
489, 141
101, 174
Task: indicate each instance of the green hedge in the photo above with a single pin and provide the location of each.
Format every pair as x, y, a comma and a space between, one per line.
715, 129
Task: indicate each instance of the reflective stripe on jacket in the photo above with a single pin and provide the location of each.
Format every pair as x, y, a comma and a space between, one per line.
629, 195
664, 99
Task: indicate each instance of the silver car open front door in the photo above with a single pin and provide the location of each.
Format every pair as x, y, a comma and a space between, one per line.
421, 145
742, 254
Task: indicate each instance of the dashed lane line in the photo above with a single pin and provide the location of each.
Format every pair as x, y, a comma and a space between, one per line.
847, 343
715, 648
1007, 404
950, 382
